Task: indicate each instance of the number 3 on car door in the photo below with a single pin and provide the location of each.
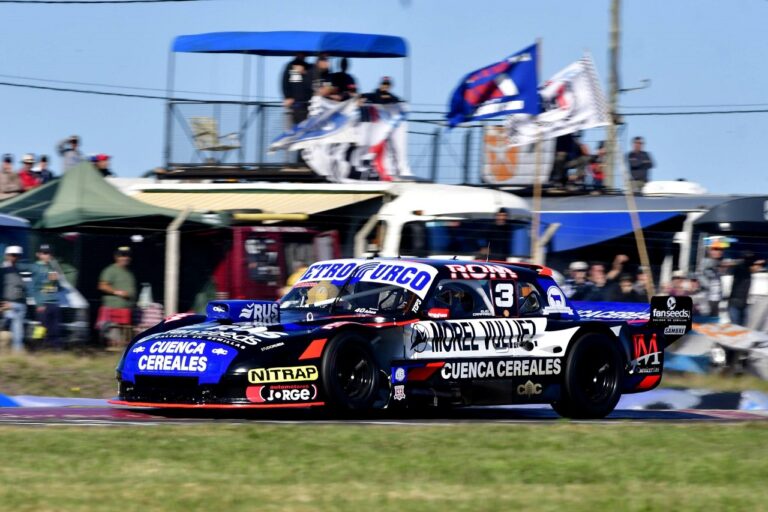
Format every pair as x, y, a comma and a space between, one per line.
503, 293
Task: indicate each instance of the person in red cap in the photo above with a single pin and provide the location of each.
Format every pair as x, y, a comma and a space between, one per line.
101, 161
28, 178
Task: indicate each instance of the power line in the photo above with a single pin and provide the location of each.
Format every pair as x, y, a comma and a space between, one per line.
696, 113
86, 2
102, 93
113, 86
169, 98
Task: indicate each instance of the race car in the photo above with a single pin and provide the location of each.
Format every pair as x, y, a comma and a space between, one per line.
363, 334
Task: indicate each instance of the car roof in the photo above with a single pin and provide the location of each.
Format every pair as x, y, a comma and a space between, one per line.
529, 270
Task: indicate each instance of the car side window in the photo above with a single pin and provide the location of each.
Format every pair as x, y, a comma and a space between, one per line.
468, 298
530, 300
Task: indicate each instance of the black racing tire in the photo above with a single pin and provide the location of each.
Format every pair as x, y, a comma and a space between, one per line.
592, 378
349, 373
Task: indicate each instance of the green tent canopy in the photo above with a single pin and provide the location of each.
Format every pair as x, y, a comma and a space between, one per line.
82, 198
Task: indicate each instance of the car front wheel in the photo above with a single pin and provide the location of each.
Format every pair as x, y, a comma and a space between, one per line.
350, 374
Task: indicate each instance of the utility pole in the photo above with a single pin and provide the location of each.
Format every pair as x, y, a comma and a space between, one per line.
613, 79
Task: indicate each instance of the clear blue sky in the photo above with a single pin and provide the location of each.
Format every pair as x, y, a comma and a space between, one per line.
696, 52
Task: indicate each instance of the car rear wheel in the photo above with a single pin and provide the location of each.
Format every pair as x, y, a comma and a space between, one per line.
592, 379
350, 374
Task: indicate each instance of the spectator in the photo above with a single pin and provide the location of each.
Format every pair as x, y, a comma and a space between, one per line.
118, 285
597, 169
297, 89
640, 163
569, 154
498, 237
14, 296
46, 288
625, 292
42, 169
69, 150
577, 287
101, 161
710, 277
600, 285
742, 280
27, 177
321, 76
10, 185
641, 283
677, 286
343, 83
382, 94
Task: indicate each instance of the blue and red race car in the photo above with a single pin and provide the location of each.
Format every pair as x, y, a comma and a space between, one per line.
361, 334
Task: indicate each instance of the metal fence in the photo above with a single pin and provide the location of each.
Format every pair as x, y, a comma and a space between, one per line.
237, 135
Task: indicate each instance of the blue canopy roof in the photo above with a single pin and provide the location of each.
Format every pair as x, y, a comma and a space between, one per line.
579, 229
288, 43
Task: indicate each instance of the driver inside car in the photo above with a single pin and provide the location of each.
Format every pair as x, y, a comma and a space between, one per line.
458, 302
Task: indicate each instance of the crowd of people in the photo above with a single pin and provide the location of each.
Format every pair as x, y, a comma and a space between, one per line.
43, 286
303, 80
35, 169
591, 282
576, 166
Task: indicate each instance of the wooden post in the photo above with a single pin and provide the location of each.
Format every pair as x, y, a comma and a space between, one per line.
536, 251
642, 250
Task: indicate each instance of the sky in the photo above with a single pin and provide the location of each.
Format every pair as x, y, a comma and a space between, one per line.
695, 53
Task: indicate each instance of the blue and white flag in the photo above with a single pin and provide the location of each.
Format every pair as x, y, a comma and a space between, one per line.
506, 87
334, 123
572, 100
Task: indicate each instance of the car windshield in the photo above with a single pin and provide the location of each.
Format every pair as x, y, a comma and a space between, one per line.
354, 296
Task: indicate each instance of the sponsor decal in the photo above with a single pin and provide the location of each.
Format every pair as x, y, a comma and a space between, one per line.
268, 312
671, 310
238, 336
556, 301
674, 330
399, 392
474, 338
399, 374
281, 393
337, 270
438, 313
220, 308
415, 277
480, 271
284, 374
647, 354
366, 311
500, 369
273, 345
174, 356
529, 389
416, 306
612, 315
204, 359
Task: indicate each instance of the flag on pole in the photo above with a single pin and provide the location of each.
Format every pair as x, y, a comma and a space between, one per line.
571, 101
506, 87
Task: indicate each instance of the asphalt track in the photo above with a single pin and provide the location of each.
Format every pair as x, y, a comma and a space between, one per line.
116, 416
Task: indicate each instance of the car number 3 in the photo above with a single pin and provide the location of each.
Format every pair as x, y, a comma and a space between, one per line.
504, 295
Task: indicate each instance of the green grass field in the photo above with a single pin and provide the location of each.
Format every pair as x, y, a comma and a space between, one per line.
564, 466
92, 375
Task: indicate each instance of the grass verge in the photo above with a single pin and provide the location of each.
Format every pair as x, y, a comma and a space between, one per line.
352, 467
92, 375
